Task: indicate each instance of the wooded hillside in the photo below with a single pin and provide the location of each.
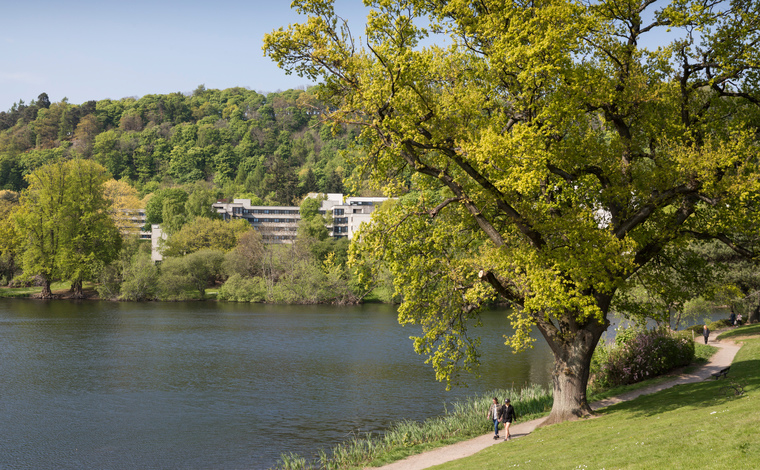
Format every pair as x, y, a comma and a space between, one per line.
272, 147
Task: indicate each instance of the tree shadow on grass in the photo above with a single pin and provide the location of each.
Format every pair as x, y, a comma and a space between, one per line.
708, 392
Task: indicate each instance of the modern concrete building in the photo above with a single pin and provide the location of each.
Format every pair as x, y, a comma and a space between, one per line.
156, 238
132, 222
279, 224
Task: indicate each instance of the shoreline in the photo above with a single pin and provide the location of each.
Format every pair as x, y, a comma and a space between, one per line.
721, 359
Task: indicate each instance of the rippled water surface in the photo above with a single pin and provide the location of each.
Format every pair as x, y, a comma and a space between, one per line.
99, 385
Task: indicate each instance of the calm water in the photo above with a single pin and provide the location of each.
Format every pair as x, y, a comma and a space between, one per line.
100, 385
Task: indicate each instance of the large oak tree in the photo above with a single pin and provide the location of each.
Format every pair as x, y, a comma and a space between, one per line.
549, 149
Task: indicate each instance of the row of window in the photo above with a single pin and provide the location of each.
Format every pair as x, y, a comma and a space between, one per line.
269, 228
258, 220
278, 237
241, 210
272, 211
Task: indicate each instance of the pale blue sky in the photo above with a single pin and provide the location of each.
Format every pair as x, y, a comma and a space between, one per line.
97, 49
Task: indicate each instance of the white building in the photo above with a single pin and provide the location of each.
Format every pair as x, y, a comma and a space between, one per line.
279, 224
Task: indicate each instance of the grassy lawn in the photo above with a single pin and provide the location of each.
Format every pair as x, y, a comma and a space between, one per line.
688, 426
30, 291
746, 330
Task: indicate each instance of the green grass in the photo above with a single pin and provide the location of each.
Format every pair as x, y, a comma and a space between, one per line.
8, 292
687, 426
745, 330
463, 420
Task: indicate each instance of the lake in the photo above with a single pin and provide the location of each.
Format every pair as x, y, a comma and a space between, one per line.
206, 385
103, 385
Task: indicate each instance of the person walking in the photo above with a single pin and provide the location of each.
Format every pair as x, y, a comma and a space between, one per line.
508, 416
706, 333
494, 413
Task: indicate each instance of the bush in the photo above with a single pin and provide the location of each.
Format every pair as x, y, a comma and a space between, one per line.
140, 277
716, 325
243, 289
188, 276
639, 356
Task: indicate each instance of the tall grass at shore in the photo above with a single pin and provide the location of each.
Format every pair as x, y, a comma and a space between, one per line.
461, 420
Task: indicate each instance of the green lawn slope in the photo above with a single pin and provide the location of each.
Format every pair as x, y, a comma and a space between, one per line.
701, 425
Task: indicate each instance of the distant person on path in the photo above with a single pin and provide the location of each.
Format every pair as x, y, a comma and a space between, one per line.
494, 413
732, 319
706, 333
739, 320
508, 416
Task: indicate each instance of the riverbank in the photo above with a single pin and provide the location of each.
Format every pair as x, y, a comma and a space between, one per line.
670, 424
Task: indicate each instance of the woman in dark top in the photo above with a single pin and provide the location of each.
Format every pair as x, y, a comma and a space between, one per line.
508, 416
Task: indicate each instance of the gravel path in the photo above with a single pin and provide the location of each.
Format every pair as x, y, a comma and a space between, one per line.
722, 359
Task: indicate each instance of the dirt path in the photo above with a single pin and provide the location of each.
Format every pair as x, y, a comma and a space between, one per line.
723, 358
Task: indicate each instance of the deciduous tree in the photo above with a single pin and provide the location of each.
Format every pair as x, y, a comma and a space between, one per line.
547, 152
64, 225
203, 233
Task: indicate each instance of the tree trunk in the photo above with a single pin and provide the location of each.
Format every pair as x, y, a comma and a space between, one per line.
46, 292
76, 289
572, 365
754, 316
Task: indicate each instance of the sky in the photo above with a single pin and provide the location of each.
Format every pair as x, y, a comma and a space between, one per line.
96, 49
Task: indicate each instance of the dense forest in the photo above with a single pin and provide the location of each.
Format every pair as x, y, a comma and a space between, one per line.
172, 155
272, 148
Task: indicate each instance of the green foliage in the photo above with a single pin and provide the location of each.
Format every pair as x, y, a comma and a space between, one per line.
63, 223
667, 429
167, 207
638, 354
461, 420
139, 278
243, 289
285, 274
205, 233
180, 278
548, 155
177, 139
246, 258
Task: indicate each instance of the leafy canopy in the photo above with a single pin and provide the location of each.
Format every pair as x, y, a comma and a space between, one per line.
545, 154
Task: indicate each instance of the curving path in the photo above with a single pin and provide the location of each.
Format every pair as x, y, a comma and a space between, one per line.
723, 358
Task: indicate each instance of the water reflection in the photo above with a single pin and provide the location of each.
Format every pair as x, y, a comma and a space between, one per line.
205, 385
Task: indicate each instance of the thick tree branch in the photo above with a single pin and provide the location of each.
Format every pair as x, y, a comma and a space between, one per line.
505, 292
726, 240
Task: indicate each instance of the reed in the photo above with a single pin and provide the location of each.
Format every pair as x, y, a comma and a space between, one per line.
460, 420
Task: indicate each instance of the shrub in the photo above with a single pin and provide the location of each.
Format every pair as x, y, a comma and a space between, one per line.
140, 278
243, 289
643, 355
188, 276
716, 325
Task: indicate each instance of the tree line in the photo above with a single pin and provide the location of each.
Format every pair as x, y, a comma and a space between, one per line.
173, 156
65, 225
273, 148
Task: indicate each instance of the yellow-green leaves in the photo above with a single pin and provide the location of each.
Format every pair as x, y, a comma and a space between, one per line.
544, 152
